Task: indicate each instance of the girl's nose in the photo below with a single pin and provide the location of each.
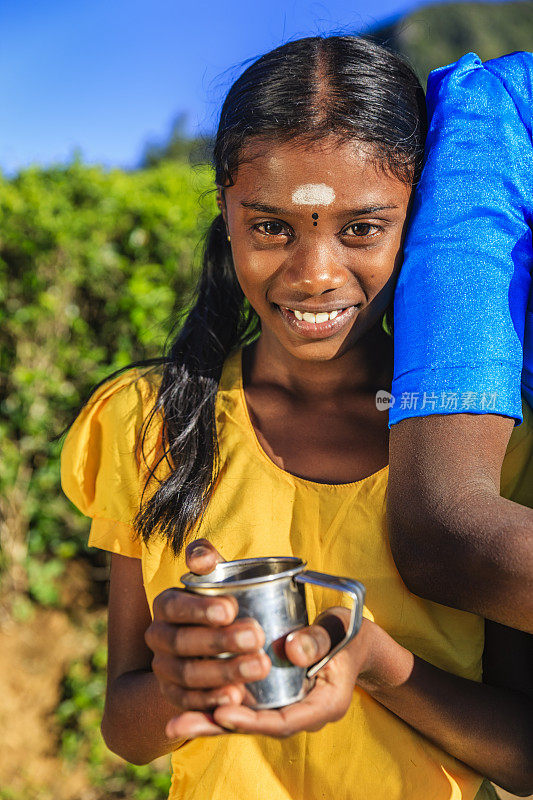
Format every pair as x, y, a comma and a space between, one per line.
313, 270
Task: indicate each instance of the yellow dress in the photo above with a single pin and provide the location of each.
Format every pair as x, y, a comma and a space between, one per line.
259, 509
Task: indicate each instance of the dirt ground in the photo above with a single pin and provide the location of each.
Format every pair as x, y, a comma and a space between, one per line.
34, 656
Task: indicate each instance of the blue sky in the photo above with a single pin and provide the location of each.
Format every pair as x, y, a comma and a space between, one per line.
107, 75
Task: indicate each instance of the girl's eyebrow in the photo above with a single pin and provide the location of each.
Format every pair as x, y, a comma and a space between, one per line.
360, 212
357, 212
264, 208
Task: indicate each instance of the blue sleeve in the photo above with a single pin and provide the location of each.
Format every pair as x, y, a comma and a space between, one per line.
464, 291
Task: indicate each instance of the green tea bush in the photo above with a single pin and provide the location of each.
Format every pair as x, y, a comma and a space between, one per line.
94, 266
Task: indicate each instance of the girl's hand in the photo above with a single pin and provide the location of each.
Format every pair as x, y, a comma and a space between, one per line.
328, 701
187, 629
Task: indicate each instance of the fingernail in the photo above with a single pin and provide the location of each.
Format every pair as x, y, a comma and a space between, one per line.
308, 645
228, 725
245, 639
198, 551
251, 670
216, 613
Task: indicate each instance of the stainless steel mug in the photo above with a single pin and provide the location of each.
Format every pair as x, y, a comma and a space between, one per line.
271, 590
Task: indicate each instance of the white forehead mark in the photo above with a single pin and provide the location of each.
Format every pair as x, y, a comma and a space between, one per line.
313, 194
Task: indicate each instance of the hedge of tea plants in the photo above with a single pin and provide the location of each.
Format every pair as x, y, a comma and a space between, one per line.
94, 266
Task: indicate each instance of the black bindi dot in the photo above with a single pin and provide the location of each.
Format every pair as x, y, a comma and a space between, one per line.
315, 223
315, 217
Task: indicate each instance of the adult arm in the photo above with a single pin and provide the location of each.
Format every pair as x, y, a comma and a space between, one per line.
454, 539
463, 343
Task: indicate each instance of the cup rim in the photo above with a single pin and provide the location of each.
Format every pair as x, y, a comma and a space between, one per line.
194, 582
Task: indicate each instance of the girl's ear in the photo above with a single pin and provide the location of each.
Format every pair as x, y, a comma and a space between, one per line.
221, 203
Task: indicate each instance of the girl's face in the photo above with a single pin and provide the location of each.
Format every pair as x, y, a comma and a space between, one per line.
316, 236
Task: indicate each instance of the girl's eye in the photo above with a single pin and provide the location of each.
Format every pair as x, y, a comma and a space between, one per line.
362, 229
271, 228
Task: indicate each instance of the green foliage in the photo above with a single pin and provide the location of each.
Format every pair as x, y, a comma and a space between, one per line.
94, 267
178, 146
78, 717
42, 580
439, 34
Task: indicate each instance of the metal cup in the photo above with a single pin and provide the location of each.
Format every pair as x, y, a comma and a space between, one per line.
271, 590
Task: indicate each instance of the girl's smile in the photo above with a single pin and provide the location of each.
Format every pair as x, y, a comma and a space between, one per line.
319, 323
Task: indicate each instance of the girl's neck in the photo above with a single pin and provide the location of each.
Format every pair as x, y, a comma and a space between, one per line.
318, 419
365, 367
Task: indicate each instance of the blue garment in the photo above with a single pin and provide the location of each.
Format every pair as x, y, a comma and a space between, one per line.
463, 308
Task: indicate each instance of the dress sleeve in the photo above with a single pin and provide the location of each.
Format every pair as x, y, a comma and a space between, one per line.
461, 301
101, 467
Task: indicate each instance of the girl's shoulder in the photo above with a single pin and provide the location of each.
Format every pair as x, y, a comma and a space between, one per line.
103, 454
119, 407
136, 387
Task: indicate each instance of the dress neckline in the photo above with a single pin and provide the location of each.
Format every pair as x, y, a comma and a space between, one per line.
232, 380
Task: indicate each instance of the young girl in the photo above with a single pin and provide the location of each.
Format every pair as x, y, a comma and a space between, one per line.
260, 433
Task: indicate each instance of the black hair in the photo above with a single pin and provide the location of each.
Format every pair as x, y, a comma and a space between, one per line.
306, 90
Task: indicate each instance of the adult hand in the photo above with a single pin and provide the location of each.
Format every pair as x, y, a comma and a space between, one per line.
186, 633
327, 701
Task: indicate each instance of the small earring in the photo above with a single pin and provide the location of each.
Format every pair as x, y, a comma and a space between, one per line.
229, 238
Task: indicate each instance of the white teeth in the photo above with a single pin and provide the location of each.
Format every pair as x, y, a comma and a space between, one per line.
317, 319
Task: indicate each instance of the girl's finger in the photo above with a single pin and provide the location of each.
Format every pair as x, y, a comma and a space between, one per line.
197, 700
179, 607
198, 673
308, 645
201, 557
322, 705
192, 724
243, 636
241, 719
279, 723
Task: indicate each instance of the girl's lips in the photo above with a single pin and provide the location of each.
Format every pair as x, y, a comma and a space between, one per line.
318, 330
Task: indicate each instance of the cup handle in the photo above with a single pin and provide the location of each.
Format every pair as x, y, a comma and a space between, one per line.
356, 591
